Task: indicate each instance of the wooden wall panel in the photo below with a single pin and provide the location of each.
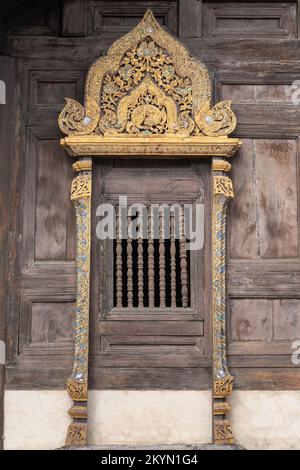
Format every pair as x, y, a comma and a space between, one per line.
8, 75
249, 19
252, 51
54, 217
257, 93
242, 226
51, 322
116, 18
48, 88
263, 246
264, 214
250, 320
277, 198
286, 319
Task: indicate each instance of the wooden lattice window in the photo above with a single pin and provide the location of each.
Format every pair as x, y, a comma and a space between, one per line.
152, 269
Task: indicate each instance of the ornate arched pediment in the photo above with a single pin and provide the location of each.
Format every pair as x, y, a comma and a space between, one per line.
148, 85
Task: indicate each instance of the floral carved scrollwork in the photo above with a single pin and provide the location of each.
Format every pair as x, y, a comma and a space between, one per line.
77, 434
220, 120
223, 432
223, 186
75, 119
147, 110
223, 387
81, 187
147, 60
78, 391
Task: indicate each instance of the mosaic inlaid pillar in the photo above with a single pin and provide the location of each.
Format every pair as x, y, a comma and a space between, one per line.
77, 384
222, 380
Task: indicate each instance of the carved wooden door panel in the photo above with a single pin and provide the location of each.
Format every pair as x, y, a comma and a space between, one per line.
149, 310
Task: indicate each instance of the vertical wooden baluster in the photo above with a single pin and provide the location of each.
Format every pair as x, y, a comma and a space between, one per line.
162, 274
119, 284
150, 260
183, 262
140, 271
129, 268
173, 260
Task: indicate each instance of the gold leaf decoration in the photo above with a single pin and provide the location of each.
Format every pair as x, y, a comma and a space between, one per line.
220, 120
75, 119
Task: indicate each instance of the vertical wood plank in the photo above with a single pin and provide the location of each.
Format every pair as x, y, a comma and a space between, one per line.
190, 18
276, 176
74, 18
243, 210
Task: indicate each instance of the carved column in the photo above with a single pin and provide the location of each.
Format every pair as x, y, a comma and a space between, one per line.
222, 380
77, 384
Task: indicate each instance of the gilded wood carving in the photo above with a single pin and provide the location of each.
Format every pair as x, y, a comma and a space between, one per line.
148, 97
148, 85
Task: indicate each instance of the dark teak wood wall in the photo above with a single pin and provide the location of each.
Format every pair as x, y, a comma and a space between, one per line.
252, 50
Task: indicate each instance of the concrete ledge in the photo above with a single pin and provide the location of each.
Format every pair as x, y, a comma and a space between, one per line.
179, 447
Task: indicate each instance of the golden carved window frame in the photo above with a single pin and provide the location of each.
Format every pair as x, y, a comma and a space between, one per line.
148, 97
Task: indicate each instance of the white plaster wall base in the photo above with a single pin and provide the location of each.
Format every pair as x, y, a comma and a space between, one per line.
260, 419
35, 420
265, 419
150, 417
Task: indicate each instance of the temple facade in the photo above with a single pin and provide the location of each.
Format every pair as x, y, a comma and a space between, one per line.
149, 207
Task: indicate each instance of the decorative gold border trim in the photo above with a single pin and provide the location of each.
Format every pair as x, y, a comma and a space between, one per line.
77, 384
222, 380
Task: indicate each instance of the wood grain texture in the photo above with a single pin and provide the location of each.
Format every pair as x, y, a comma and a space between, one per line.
74, 18
246, 19
252, 51
264, 213
7, 73
141, 338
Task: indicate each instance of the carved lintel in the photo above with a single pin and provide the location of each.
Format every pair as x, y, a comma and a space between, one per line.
77, 434
147, 146
223, 432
